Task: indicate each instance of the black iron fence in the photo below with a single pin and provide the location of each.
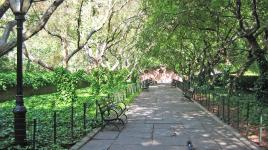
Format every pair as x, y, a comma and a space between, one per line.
60, 128
246, 114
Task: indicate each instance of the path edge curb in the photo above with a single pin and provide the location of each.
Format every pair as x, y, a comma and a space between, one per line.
250, 144
85, 139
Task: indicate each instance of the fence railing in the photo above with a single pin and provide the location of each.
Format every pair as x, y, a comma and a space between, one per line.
246, 114
61, 129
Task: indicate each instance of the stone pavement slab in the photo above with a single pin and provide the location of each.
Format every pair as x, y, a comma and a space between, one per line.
162, 119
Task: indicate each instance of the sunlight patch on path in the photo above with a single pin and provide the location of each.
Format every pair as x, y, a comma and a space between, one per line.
162, 119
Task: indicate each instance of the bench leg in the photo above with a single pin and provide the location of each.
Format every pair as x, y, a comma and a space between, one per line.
103, 125
121, 120
114, 124
125, 117
111, 123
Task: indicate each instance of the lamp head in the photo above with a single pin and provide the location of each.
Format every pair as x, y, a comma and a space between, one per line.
20, 6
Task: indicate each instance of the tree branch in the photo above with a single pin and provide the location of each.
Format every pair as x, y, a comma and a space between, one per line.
7, 31
54, 34
255, 15
3, 8
35, 60
44, 19
79, 23
239, 16
266, 37
93, 31
4, 49
245, 66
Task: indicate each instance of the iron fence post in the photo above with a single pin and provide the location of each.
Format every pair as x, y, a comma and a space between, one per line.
55, 127
202, 98
223, 108
84, 116
228, 109
248, 110
260, 128
213, 101
238, 115
34, 133
218, 104
72, 121
208, 97
206, 93
194, 94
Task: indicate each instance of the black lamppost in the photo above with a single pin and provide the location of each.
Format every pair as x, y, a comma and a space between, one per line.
20, 8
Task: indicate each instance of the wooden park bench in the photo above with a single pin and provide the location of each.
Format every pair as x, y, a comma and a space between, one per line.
152, 82
174, 83
189, 93
112, 112
145, 84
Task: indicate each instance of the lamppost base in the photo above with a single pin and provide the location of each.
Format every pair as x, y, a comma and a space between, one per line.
20, 125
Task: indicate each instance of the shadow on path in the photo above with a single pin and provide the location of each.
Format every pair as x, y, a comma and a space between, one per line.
162, 119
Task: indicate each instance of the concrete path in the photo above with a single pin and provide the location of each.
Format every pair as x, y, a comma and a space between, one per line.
162, 119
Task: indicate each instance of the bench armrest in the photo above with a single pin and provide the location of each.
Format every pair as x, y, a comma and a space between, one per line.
107, 112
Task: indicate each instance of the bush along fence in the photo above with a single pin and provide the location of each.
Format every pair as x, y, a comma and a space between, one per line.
62, 128
241, 111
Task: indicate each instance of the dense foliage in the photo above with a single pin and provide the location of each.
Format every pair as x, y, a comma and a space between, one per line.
67, 83
109, 43
78, 34
104, 81
31, 79
205, 38
68, 104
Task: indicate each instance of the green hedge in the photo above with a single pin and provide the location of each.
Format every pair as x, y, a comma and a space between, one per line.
30, 79
244, 82
247, 82
101, 79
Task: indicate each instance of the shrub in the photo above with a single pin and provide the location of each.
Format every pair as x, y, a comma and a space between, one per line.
246, 82
33, 80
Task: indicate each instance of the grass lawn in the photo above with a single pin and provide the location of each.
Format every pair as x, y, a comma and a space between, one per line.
43, 108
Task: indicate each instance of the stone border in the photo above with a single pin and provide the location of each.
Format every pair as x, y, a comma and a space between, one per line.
93, 133
10, 92
87, 138
250, 144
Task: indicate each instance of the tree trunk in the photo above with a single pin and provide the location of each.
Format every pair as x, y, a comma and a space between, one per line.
4, 7
259, 54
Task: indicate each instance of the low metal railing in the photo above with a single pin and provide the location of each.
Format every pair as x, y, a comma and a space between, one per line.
248, 115
61, 129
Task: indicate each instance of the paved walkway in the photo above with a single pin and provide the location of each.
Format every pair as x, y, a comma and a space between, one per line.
161, 119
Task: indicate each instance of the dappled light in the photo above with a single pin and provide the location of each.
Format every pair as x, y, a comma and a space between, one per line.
160, 75
138, 74
159, 120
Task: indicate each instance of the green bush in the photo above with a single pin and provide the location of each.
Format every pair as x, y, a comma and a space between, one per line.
104, 81
135, 77
246, 82
30, 79
67, 83
243, 83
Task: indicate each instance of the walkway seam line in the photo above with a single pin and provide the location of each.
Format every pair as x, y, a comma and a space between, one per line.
84, 140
